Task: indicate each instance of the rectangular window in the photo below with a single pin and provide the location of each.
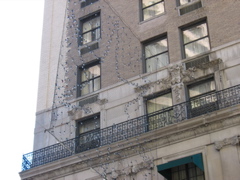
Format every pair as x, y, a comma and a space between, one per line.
152, 8
89, 79
88, 133
187, 168
159, 110
187, 172
156, 55
195, 40
202, 97
90, 29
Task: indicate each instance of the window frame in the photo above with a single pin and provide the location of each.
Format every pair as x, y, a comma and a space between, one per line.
143, 8
189, 26
81, 145
209, 79
85, 19
82, 68
151, 41
204, 100
166, 110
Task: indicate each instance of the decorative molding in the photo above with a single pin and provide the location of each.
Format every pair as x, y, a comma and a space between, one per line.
114, 174
167, 136
176, 75
214, 63
226, 142
134, 169
177, 88
102, 101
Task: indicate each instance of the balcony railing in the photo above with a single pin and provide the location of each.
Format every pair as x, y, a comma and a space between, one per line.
197, 106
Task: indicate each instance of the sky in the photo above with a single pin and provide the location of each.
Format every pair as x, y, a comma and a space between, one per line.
20, 47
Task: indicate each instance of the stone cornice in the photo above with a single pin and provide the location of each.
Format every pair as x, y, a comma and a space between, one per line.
168, 135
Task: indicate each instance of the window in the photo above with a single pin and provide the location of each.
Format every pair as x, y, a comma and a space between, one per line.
195, 40
89, 78
156, 54
152, 8
90, 29
159, 110
87, 2
188, 5
202, 98
88, 133
188, 168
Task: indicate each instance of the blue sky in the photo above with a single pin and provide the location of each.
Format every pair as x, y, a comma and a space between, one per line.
20, 46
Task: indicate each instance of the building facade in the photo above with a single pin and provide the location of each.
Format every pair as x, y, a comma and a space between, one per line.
138, 89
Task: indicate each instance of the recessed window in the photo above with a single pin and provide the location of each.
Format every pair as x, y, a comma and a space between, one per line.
89, 79
156, 117
202, 98
88, 133
152, 8
188, 168
90, 29
156, 54
195, 40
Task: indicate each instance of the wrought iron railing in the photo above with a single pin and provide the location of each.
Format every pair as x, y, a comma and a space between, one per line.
196, 106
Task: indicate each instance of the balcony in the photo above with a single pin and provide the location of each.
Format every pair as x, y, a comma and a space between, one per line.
197, 106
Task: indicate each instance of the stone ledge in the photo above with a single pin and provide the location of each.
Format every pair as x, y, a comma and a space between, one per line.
171, 134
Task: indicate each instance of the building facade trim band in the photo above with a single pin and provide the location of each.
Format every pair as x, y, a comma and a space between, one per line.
197, 127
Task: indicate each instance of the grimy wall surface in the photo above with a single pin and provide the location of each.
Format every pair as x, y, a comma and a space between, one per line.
125, 86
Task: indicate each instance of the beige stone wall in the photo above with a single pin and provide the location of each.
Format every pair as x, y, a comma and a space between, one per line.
120, 99
215, 135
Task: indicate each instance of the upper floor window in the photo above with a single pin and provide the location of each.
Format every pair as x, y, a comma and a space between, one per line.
152, 8
89, 79
90, 29
87, 2
156, 54
195, 40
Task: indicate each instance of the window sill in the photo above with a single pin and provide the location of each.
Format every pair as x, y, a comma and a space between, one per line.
184, 60
85, 48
